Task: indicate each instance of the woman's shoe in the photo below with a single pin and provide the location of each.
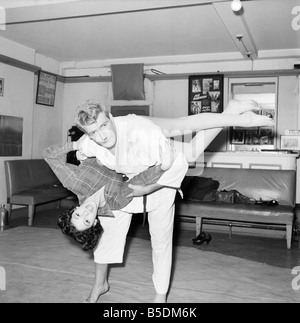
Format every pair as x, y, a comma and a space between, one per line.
208, 239
202, 238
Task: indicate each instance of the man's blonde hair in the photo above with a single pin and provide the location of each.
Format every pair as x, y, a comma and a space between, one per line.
87, 113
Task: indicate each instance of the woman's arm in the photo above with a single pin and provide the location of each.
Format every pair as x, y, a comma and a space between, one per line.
139, 190
56, 156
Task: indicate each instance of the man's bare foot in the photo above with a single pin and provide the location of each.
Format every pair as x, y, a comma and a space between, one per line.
239, 107
160, 298
250, 119
97, 292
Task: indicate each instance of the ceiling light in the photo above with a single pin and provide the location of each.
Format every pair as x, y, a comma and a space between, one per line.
236, 5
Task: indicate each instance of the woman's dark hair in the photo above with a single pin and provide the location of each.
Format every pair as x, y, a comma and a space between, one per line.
88, 238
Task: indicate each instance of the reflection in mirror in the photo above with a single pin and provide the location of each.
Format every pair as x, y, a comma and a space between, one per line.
265, 93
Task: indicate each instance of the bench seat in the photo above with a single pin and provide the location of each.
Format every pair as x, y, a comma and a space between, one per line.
279, 185
40, 195
31, 182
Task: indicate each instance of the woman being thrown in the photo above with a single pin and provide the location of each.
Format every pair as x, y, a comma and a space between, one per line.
101, 190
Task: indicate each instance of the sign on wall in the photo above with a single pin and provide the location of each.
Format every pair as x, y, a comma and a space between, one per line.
46, 89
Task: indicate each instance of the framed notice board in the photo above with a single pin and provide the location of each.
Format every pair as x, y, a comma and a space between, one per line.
46, 89
206, 93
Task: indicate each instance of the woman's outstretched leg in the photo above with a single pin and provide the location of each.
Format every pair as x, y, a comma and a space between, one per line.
203, 121
236, 113
196, 146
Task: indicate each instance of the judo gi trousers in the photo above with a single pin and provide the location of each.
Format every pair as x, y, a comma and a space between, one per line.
161, 210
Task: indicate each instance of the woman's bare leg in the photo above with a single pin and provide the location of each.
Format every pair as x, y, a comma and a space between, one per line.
202, 139
195, 148
203, 121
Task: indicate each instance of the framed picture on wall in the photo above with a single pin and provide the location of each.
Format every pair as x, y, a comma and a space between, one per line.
1, 87
290, 142
238, 137
266, 135
206, 93
252, 136
46, 89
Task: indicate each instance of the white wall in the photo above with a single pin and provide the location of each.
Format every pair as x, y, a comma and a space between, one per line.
17, 102
288, 96
170, 98
17, 51
74, 95
47, 123
42, 126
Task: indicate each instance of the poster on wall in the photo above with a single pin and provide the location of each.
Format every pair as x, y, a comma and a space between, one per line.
46, 89
11, 134
206, 93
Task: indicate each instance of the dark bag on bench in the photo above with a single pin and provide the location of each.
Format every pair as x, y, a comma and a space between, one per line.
226, 196
201, 189
235, 196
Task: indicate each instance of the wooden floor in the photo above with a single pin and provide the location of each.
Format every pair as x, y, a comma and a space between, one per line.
271, 251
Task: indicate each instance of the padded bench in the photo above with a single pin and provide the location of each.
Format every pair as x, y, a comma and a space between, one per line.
32, 182
279, 185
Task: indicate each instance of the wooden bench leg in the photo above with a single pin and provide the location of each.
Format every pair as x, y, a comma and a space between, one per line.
31, 209
144, 219
289, 232
9, 209
198, 225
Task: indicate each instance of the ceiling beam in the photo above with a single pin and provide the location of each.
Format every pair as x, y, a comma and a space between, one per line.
238, 29
29, 3
88, 8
